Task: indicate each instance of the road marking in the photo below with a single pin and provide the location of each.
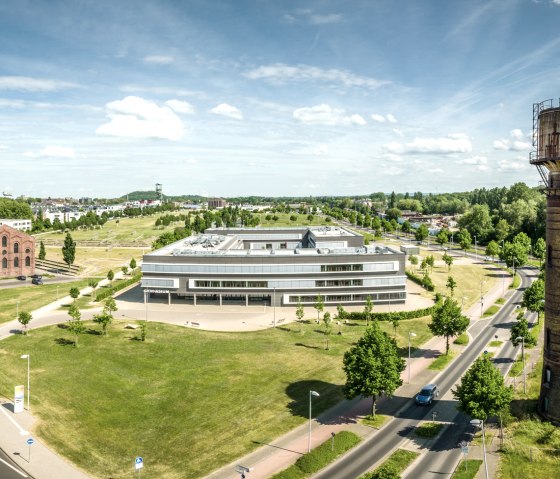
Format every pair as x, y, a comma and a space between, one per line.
12, 467
22, 431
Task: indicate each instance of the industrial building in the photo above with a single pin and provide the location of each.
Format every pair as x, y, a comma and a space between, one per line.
17, 251
276, 266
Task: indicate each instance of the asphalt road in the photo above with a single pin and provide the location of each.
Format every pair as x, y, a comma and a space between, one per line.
361, 459
16, 283
8, 469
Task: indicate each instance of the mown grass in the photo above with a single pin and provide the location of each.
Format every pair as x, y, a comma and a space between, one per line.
517, 368
284, 220
31, 297
320, 457
375, 422
462, 340
428, 429
398, 461
442, 361
491, 311
516, 282
495, 344
467, 469
187, 401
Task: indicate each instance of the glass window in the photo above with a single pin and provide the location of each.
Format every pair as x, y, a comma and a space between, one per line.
4, 262
16, 247
27, 261
16, 262
4, 241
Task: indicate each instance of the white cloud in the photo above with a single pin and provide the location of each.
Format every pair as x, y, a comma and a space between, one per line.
392, 171
435, 170
227, 110
517, 134
326, 115
180, 106
33, 84
3, 147
320, 150
52, 151
392, 157
280, 72
316, 19
391, 118
501, 144
135, 117
513, 165
158, 60
518, 142
449, 144
480, 162
398, 132
304, 15
378, 118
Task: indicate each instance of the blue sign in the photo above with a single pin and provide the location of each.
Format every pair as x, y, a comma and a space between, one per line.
30, 441
138, 463
139, 460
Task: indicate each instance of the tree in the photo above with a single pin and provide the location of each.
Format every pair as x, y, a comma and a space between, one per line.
482, 392
521, 330
533, 298
328, 328
74, 293
124, 270
492, 249
69, 250
448, 260
110, 306
132, 264
430, 261
413, 260
368, 308
421, 232
393, 214
75, 325
448, 321
93, 283
319, 305
501, 230
110, 276
539, 249
300, 314
514, 254
465, 240
372, 366
451, 284
143, 330
24, 318
42, 252
477, 222
387, 471
104, 319
442, 237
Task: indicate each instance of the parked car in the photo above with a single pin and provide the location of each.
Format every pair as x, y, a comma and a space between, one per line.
427, 394
38, 280
36, 276
22, 277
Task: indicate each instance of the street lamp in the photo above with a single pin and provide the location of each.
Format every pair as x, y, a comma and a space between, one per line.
475, 250
410, 335
522, 338
480, 422
481, 298
311, 394
26, 356
274, 306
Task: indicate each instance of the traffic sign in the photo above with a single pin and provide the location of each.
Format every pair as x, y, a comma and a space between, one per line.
139, 463
30, 441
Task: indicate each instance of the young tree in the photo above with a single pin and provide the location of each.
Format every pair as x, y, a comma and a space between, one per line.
451, 284
442, 237
448, 321
368, 309
319, 305
492, 249
93, 283
104, 319
132, 264
482, 392
328, 328
74, 293
372, 366
24, 318
75, 325
124, 269
421, 233
521, 330
143, 330
413, 260
430, 261
42, 251
465, 240
69, 250
539, 249
110, 306
514, 254
448, 260
110, 276
533, 298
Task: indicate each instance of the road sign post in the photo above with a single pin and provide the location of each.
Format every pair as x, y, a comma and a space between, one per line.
242, 470
138, 464
29, 442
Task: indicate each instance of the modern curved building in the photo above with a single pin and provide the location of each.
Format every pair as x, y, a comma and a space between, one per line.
546, 157
277, 266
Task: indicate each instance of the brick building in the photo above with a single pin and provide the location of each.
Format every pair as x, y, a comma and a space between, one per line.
17, 252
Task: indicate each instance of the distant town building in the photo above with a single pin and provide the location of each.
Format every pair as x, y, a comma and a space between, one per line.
17, 250
216, 203
22, 225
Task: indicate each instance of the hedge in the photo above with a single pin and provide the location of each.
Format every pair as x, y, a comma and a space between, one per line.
397, 315
319, 457
106, 292
425, 281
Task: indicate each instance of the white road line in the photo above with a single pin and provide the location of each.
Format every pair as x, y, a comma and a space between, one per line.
12, 467
22, 431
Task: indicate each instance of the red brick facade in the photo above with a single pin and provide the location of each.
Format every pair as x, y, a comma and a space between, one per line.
17, 252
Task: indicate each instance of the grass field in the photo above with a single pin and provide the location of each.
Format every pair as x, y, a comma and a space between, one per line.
284, 220
467, 469
187, 401
32, 297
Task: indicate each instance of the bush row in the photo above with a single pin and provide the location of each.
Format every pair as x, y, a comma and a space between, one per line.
424, 281
319, 457
106, 292
397, 315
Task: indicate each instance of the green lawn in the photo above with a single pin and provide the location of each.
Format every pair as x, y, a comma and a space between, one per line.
428, 429
491, 311
467, 469
376, 422
187, 401
32, 297
284, 220
398, 461
442, 361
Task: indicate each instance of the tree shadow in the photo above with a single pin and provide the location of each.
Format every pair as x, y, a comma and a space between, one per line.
522, 408
94, 332
306, 346
64, 342
299, 393
62, 326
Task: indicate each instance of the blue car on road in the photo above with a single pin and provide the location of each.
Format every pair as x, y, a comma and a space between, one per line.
428, 394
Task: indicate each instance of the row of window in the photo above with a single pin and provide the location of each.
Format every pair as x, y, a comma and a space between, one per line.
16, 262
231, 284
349, 298
305, 283
339, 282
16, 246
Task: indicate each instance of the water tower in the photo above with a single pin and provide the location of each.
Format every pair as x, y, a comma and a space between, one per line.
546, 157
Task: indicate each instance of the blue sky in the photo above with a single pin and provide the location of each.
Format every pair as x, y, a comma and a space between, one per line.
271, 97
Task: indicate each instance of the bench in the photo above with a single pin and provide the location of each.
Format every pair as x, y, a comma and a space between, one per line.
195, 325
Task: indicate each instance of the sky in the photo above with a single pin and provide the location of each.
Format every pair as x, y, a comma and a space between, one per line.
271, 97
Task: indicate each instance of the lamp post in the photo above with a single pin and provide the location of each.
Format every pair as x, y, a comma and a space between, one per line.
311, 394
475, 250
410, 335
274, 307
57, 292
481, 298
480, 422
27, 356
522, 338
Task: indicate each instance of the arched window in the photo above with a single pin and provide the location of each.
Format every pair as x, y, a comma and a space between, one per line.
16, 262
27, 261
4, 262
4, 241
16, 247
